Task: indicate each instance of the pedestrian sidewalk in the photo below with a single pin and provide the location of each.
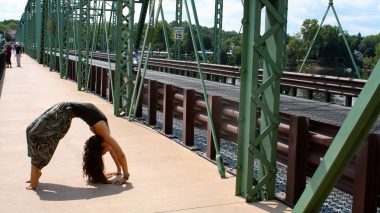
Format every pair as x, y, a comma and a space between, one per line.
165, 177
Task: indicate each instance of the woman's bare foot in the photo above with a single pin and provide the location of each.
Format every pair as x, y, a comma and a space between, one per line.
35, 175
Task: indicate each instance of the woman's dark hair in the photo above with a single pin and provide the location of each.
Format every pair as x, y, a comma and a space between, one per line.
93, 166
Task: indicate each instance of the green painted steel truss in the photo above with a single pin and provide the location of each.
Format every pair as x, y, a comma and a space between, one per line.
124, 53
259, 144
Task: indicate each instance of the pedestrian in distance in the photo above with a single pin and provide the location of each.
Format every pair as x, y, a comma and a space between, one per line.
45, 132
8, 54
18, 54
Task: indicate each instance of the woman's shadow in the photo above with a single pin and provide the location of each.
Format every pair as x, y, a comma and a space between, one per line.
57, 192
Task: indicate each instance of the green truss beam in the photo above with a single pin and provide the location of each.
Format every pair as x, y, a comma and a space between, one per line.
218, 28
52, 34
140, 25
331, 5
178, 23
260, 144
64, 14
124, 52
83, 43
345, 144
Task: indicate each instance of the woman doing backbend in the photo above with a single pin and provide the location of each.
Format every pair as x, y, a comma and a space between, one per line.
44, 133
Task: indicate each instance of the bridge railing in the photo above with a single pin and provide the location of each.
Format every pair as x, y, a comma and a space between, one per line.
301, 146
2, 64
311, 83
347, 87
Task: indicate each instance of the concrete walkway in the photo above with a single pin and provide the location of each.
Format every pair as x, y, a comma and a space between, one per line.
165, 177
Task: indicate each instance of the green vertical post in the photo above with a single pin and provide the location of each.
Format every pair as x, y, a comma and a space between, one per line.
124, 53
33, 28
345, 144
267, 49
39, 30
53, 34
178, 23
63, 26
218, 29
83, 43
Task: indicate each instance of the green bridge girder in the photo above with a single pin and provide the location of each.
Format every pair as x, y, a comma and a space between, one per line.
218, 28
51, 27
260, 144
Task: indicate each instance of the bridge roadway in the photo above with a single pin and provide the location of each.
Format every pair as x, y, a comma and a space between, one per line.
165, 177
319, 111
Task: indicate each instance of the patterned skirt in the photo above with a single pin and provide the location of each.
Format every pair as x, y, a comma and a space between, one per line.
44, 133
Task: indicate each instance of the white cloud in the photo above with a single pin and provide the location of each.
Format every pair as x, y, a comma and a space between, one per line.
12, 9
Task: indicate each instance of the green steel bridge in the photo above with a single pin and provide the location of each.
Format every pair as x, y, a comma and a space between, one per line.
50, 28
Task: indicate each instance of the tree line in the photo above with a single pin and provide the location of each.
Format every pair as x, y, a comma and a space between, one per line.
6, 26
329, 49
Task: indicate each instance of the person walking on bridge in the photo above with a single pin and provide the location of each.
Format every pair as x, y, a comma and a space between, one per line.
8, 54
18, 54
44, 133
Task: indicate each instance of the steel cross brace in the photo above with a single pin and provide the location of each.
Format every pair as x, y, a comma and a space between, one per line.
260, 144
124, 53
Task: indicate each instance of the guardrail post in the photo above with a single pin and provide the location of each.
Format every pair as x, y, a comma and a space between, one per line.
152, 102
293, 91
111, 78
57, 64
139, 106
71, 70
93, 78
297, 158
168, 108
215, 103
310, 94
327, 97
98, 80
348, 101
104, 82
367, 172
74, 72
188, 117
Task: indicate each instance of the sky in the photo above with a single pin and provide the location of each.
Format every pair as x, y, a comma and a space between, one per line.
355, 15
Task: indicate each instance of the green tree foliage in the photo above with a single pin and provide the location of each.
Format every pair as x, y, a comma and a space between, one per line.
329, 50
6, 26
295, 50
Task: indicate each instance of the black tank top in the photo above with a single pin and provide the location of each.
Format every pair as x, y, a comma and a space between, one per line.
87, 112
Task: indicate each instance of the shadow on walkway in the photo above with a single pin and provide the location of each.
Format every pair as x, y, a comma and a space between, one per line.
58, 192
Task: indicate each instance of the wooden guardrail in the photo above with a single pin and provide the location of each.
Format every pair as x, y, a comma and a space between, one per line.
329, 85
2, 64
302, 141
347, 87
